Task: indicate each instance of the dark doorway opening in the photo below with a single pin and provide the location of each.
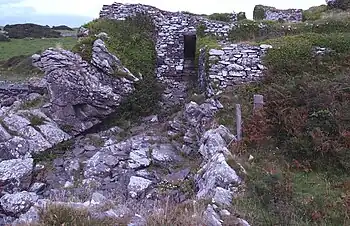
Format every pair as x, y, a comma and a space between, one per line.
190, 46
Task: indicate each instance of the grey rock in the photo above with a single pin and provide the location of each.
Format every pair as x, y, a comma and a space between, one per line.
82, 32
4, 135
16, 173
37, 187
215, 52
53, 134
15, 122
139, 158
215, 173
222, 197
211, 217
100, 165
89, 148
138, 185
165, 153
103, 36
30, 217
14, 204
107, 62
98, 199
225, 213
79, 93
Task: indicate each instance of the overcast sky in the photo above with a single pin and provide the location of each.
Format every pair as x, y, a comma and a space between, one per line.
77, 12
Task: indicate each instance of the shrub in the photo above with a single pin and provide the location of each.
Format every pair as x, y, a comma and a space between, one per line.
30, 31
259, 12
225, 17
308, 98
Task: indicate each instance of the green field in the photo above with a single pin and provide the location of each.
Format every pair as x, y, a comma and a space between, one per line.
17, 47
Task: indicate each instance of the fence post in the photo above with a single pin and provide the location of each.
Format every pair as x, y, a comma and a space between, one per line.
258, 101
239, 122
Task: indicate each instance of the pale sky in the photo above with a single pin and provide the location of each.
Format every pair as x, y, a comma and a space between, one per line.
76, 12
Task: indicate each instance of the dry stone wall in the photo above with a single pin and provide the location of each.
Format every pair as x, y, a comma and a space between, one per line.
171, 27
234, 64
290, 15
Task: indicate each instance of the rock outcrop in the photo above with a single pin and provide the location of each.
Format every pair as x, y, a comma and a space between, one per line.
80, 94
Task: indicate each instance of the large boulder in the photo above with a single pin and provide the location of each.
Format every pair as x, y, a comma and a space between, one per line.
14, 204
15, 174
80, 94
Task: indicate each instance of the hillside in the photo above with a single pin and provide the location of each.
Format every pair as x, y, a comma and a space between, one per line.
137, 121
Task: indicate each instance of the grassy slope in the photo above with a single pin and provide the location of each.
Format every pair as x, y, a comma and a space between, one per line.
17, 47
300, 141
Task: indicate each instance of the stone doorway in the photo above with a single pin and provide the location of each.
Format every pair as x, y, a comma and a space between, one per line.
190, 41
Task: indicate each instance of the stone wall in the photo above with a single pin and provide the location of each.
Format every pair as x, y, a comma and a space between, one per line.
289, 15
234, 64
272, 13
171, 28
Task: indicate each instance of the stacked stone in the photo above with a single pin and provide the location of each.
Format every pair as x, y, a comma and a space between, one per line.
290, 15
235, 64
171, 28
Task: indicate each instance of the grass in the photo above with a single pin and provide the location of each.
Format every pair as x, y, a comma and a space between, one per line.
300, 139
58, 215
249, 30
18, 47
36, 120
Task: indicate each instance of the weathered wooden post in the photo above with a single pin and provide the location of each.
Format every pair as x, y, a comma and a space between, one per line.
239, 122
258, 101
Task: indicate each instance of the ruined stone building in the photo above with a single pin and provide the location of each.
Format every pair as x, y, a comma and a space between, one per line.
176, 50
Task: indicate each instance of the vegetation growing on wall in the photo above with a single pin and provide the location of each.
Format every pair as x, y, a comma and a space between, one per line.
132, 41
225, 17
